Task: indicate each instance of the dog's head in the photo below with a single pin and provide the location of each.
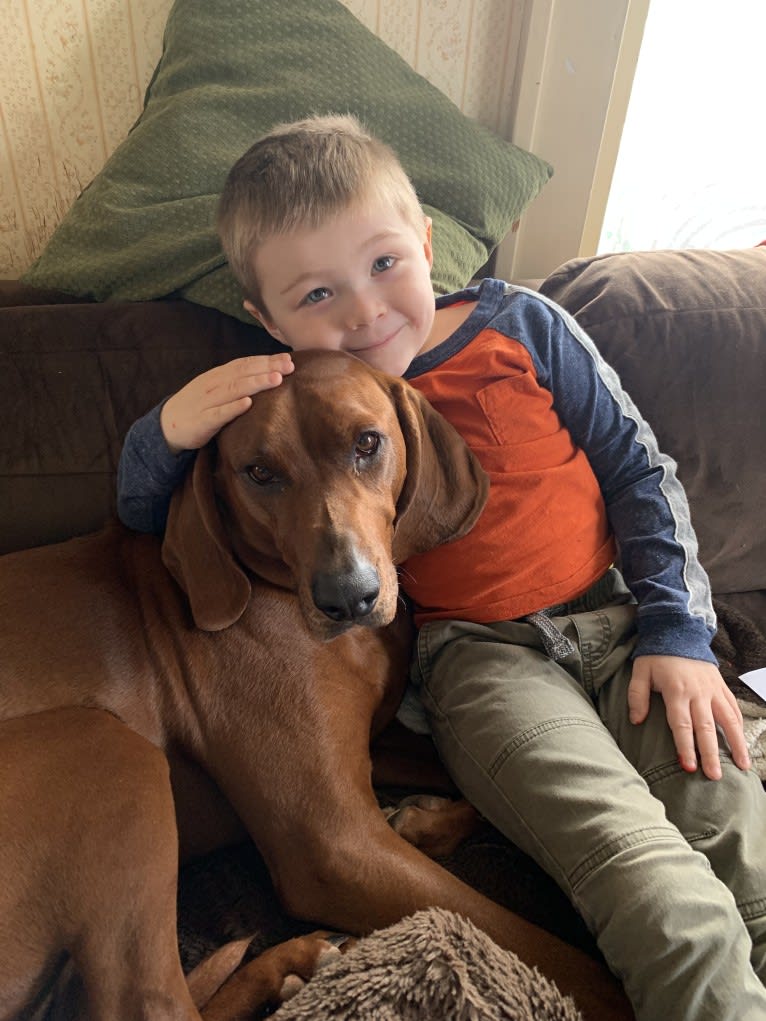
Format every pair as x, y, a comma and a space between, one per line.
326, 484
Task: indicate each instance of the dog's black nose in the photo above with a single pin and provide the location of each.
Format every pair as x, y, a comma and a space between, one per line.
347, 596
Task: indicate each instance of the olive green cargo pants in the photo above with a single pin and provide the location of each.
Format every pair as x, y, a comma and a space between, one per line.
668, 869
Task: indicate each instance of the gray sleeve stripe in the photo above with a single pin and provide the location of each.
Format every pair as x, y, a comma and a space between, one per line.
695, 578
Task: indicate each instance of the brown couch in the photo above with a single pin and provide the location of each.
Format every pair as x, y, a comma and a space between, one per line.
686, 331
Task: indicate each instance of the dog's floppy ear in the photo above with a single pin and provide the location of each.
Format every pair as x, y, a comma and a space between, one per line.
445, 489
197, 552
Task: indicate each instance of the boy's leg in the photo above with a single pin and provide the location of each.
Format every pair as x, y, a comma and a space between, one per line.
523, 740
724, 819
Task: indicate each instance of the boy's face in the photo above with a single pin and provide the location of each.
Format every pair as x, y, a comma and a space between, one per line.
359, 283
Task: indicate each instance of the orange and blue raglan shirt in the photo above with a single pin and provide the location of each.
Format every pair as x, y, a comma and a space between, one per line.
576, 479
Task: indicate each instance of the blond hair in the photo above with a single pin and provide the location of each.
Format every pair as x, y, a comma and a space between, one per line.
299, 175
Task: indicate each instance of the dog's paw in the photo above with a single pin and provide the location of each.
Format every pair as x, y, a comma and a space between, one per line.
323, 948
433, 824
291, 985
221, 988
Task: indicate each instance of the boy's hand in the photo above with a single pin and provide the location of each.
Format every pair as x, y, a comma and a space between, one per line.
696, 701
194, 414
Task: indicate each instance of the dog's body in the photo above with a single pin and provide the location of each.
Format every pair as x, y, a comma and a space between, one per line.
283, 541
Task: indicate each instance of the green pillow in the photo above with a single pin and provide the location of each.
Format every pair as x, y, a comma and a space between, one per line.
231, 69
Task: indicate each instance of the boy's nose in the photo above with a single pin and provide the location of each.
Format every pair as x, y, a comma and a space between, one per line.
363, 310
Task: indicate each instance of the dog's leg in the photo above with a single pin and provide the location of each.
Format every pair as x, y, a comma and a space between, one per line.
128, 953
359, 875
92, 850
335, 861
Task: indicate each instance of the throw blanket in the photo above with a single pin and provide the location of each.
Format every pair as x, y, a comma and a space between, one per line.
741, 646
434, 964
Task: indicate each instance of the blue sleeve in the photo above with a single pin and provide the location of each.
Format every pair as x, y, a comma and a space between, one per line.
646, 504
147, 474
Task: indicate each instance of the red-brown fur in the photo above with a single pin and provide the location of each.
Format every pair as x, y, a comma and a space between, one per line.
219, 661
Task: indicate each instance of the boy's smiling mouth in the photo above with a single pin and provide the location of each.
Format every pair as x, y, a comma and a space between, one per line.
376, 343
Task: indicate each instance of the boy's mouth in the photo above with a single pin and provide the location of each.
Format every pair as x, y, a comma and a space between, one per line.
376, 343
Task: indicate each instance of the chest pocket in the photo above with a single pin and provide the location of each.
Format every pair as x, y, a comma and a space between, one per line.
518, 410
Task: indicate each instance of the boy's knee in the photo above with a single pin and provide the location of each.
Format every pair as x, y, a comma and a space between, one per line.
650, 881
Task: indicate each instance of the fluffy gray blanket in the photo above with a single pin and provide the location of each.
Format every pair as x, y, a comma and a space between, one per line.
434, 964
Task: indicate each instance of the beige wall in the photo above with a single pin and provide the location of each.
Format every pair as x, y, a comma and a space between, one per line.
72, 79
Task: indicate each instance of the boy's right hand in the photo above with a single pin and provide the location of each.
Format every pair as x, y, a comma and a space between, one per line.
194, 414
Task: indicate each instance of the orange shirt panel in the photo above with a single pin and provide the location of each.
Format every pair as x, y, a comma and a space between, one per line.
543, 537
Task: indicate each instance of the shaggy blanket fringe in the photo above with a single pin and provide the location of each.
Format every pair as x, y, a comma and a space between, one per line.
432, 965
741, 646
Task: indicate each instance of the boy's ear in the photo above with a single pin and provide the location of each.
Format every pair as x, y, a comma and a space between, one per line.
263, 320
427, 245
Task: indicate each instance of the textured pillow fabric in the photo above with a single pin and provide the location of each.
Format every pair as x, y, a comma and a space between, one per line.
686, 331
230, 70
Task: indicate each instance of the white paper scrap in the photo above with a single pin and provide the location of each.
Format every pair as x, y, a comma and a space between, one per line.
756, 681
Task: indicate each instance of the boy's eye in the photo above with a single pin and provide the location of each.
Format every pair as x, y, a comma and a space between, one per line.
317, 295
383, 263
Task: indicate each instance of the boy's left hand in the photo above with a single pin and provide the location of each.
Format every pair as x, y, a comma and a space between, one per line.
696, 701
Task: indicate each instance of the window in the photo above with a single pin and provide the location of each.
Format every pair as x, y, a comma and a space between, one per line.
691, 167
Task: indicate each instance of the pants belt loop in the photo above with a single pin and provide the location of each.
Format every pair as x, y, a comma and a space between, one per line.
557, 646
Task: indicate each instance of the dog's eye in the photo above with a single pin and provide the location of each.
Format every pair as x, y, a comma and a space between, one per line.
367, 444
260, 475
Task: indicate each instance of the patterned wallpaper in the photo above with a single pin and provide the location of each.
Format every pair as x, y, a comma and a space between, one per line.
73, 75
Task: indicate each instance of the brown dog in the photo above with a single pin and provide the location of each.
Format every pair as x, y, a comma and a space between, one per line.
283, 541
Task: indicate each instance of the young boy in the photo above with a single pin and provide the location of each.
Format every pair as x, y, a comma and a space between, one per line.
569, 707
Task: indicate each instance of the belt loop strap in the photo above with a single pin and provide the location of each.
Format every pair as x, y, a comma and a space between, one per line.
557, 646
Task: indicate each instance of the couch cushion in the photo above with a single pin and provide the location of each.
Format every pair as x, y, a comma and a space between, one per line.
229, 71
73, 378
686, 331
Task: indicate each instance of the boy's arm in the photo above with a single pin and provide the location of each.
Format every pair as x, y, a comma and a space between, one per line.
649, 514
160, 446
646, 504
147, 474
